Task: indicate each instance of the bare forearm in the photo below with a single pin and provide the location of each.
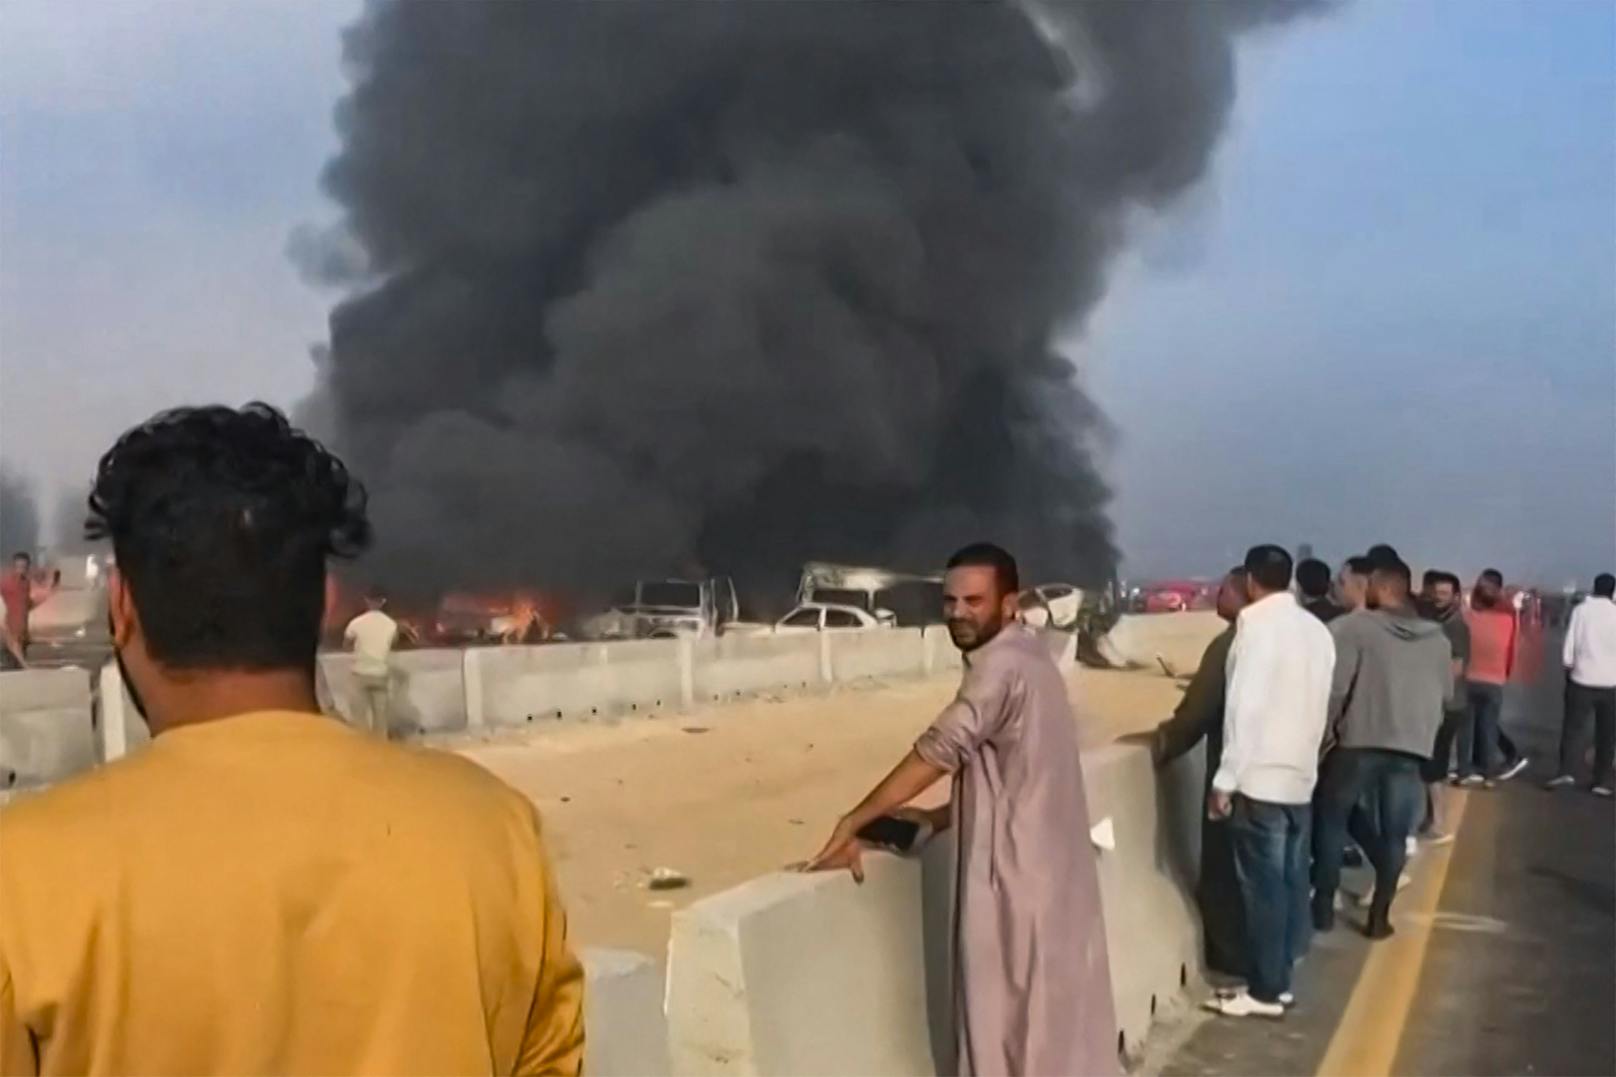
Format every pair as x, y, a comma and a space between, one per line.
911, 777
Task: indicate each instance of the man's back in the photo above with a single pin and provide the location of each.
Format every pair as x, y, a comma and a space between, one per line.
275, 892
1590, 647
372, 635
1394, 673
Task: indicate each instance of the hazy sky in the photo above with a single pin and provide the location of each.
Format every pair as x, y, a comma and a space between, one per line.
1389, 314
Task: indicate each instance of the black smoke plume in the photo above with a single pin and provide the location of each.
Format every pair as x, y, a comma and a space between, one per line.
637, 288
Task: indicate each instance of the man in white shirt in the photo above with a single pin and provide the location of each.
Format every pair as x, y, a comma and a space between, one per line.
371, 636
1590, 663
1280, 666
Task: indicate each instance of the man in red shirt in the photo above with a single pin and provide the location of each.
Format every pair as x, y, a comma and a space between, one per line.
1492, 660
16, 588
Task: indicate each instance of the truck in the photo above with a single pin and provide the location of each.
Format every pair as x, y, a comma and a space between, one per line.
669, 609
892, 598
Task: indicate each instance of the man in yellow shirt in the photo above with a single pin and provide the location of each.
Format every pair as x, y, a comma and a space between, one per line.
262, 889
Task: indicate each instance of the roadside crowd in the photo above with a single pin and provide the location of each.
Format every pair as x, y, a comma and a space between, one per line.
263, 889
1336, 719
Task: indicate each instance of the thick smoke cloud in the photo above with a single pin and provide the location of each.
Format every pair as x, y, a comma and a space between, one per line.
644, 287
19, 514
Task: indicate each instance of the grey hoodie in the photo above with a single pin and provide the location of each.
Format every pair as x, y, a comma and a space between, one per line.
1393, 676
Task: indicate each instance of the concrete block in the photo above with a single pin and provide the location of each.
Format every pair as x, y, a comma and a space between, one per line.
1147, 882
122, 728
1175, 638
626, 1034
805, 974
732, 666
941, 654
47, 726
861, 653
580, 680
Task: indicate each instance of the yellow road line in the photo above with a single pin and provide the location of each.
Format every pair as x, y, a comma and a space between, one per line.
1371, 1029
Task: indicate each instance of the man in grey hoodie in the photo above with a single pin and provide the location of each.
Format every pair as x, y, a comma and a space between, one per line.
1393, 675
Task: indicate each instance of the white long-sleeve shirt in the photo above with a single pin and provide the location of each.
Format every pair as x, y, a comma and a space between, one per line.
1590, 643
1278, 701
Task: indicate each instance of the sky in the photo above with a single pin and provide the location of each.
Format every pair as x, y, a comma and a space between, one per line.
1388, 314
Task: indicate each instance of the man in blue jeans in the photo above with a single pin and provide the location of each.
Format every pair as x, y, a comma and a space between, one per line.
1280, 664
1394, 672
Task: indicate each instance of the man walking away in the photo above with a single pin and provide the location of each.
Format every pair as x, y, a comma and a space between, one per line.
1200, 715
1441, 602
1492, 660
1032, 985
1313, 580
1590, 663
371, 636
1393, 675
1279, 692
262, 889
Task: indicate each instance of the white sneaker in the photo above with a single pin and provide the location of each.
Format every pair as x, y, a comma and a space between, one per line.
1559, 781
1514, 768
1241, 1004
1470, 781
1601, 791
1411, 846
1287, 999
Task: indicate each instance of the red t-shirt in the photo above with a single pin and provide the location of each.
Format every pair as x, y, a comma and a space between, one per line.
15, 590
1492, 645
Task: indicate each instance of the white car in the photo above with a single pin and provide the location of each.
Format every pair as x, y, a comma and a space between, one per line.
813, 616
1051, 605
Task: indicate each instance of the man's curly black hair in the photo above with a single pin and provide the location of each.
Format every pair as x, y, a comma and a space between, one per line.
221, 523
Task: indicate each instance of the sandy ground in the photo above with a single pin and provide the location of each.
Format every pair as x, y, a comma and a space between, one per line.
731, 792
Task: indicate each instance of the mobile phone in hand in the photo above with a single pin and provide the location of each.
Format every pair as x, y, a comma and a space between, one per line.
890, 832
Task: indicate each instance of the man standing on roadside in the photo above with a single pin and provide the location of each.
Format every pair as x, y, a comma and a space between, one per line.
1440, 600
262, 889
1393, 674
17, 592
1590, 664
1492, 660
1200, 715
1313, 581
1032, 984
371, 636
1279, 691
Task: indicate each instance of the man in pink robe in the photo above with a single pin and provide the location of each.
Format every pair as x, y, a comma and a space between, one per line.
1032, 984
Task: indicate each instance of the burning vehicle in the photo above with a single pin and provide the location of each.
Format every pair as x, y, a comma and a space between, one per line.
668, 609
894, 598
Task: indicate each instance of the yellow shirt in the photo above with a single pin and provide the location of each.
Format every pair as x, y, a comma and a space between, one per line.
276, 893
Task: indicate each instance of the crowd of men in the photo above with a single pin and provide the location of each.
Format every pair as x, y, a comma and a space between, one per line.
1336, 717
263, 889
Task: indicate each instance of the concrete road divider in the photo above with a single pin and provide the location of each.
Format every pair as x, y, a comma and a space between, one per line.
812, 974
858, 654
1149, 639
428, 690
517, 685
731, 667
626, 1034
47, 726
807, 974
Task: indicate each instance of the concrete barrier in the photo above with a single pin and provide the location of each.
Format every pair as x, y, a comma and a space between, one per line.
730, 667
517, 685
856, 654
940, 653
122, 728
1175, 638
428, 690
626, 1034
758, 974
47, 726
812, 974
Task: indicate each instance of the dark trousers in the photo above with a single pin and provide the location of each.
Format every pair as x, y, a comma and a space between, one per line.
1436, 768
1223, 913
1270, 862
1393, 780
1478, 733
1582, 704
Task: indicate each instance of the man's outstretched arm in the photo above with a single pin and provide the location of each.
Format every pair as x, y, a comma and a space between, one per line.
911, 777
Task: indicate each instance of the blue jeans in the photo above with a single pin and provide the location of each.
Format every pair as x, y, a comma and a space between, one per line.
1478, 733
1392, 780
1270, 862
